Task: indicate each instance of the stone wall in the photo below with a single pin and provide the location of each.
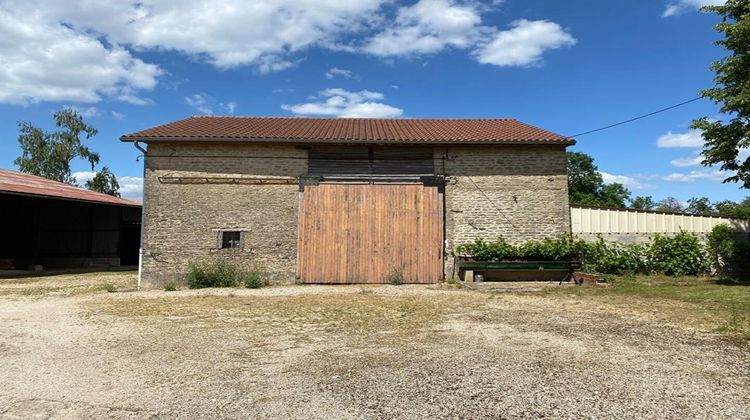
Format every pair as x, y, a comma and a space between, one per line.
182, 221
518, 192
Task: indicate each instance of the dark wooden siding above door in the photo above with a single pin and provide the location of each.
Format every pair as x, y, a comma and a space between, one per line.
370, 161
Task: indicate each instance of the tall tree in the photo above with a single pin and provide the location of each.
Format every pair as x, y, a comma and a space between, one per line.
739, 210
613, 195
700, 206
643, 203
49, 154
584, 179
104, 182
670, 204
726, 140
586, 185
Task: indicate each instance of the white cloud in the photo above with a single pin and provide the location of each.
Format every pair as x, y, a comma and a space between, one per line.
428, 27
85, 51
224, 33
131, 187
86, 112
524, 43
83, 176
699, 175
117, 115
431, 26
335, 71
627, 181
679, 6
692, 138
44, 60
687, 161
205, 104
345, 104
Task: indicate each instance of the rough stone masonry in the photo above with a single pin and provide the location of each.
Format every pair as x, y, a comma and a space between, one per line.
195, 190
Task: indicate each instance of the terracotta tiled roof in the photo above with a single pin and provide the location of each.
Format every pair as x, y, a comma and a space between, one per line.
25, 184
321, 130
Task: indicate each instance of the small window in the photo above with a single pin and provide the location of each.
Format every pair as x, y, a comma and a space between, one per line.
231, 240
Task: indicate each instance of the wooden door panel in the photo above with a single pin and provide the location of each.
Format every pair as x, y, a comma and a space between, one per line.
359, 233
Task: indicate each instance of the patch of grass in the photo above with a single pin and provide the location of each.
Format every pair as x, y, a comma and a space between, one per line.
395, 277
170, 286
303, 316
216, 273
256, 278
68, 284
724, 306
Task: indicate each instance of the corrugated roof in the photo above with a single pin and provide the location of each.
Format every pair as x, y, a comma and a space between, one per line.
321, 130
25, 184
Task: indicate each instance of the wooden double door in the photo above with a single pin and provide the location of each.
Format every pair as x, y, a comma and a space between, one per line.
364, 233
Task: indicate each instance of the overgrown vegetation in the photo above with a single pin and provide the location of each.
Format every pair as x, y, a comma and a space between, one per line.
256, 278
395, 277
170, 286
222, 273
681, 254
727, 255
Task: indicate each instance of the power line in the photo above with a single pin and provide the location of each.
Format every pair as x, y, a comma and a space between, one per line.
502, 213
636, 118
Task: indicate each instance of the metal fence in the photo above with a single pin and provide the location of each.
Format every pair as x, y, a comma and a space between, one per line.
588, 221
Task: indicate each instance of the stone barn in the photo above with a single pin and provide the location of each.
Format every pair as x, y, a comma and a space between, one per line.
319, 200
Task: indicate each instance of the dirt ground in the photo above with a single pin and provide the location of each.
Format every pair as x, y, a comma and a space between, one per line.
71, 349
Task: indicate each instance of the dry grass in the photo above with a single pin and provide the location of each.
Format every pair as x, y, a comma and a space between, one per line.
353, 314
696, 302
73, 284
409, 351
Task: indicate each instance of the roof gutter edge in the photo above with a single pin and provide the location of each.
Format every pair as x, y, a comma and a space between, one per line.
127, 139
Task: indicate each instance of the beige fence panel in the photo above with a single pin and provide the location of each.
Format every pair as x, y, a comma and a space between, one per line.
636, 225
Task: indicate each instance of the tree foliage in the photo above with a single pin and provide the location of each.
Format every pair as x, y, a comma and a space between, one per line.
726, 139
670, 204
733, 209
700, 205
48, 154
586, 186
643, 203
104, 182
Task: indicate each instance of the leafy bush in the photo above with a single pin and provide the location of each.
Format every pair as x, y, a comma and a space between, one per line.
395, 277
728, 256
678, 255
217, 273
612, 257
482, 250
557, 249
255, 279
721, 247
682, 254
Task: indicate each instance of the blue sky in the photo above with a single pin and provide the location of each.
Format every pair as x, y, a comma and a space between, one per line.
564, 66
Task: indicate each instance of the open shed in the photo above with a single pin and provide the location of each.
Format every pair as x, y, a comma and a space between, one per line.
57, 225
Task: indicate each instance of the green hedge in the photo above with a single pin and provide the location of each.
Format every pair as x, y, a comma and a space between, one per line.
681, 254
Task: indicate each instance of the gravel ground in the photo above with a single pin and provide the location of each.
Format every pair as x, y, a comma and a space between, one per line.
353, 352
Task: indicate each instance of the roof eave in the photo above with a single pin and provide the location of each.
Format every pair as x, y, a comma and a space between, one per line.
79, 200
561, 142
